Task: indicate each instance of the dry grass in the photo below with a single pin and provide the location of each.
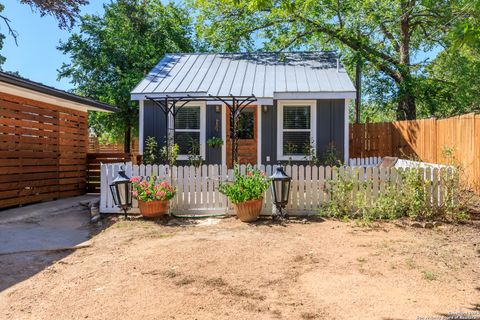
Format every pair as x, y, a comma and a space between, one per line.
231, 270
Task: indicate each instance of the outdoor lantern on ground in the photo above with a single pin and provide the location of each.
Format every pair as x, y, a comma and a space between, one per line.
121, 189
280, 190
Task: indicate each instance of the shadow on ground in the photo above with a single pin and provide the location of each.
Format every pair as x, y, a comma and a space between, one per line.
34, 237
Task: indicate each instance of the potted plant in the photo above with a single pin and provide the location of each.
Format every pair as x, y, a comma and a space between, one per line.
152, 195
246, 193
215, 142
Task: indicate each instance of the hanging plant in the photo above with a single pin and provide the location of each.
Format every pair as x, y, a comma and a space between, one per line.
215, 142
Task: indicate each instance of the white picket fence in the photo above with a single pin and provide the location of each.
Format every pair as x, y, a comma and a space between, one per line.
364, 162
197, 188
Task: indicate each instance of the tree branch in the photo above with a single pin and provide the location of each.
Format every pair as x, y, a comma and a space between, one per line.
372, 54
390, 37
11, 32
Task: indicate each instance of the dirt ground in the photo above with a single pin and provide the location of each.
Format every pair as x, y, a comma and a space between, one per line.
225, 269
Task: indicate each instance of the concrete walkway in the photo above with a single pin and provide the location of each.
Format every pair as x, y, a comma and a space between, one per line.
46, 226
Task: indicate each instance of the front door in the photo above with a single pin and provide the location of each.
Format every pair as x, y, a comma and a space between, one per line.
247, 137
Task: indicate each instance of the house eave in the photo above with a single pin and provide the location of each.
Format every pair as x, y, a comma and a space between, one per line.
260, 100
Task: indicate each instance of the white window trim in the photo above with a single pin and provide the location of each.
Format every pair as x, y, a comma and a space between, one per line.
202, 129
313, 127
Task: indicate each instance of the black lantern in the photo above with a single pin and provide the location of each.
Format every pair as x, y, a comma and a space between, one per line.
121, 189
280, 189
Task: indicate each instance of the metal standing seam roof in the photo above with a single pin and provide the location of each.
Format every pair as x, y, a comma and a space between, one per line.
263, 74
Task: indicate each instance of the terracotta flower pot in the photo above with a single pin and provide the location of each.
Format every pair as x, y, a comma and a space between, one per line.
153, 209
248, 211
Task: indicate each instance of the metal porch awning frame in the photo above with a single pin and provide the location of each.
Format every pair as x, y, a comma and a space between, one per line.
171, 105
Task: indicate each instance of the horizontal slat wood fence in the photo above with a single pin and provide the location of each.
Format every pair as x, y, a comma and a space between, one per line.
94, 146
197, 188
93, 167
42, 151
425, 140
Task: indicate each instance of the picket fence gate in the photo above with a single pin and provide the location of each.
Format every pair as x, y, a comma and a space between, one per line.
197, 188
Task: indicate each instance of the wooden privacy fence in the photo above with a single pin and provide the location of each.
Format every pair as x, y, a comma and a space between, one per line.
42, 151
94, 146
197, 188
426, 140
93, 167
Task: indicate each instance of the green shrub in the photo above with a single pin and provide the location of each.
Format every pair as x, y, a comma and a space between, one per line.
330, 156
150, 154
169, 156
194, 157
408, 199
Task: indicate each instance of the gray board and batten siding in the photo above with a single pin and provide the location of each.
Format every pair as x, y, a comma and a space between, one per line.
154, 125
330, 129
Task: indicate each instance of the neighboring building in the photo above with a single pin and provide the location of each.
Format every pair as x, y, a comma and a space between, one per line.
301, 104
43, 141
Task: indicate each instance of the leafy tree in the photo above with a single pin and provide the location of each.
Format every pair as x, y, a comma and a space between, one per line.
384, 34
453, 83
466, 31
112, 53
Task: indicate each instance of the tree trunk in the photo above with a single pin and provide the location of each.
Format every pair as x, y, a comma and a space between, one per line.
406, 109
126, 146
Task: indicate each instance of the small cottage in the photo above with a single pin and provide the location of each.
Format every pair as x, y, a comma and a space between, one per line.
257, 108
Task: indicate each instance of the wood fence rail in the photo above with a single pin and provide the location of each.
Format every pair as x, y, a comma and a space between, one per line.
427, 140
42, 151
94, 146
94, 160
197, 188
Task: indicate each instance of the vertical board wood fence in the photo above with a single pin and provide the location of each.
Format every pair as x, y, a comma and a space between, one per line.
197, 188
43, 151
425, 140
93, 167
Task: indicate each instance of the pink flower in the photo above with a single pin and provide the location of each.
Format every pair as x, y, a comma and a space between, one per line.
134, 179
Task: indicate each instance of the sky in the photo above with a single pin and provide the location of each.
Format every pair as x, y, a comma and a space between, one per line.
36, 57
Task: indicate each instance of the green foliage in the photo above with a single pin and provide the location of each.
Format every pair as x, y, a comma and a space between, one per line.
291, 148
215, 142
411, 199
150, 154
152, 189
249, 186
170, 155
111, 53
452, 85
311, 154
330, 156
194, 157
382, 35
